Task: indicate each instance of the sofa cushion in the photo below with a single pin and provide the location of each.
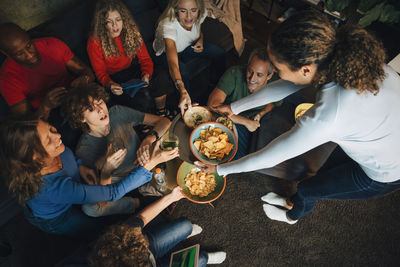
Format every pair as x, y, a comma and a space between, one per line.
72, 28
139, 6
147, 23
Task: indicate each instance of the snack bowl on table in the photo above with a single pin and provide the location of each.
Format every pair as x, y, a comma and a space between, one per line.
196, 115
195, 135
184, 170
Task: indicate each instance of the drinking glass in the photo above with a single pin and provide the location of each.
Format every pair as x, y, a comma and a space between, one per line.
169, 141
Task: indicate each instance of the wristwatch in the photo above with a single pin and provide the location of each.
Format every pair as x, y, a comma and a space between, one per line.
152, 132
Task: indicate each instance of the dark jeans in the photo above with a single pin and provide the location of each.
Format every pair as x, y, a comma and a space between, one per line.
243, 141
143, 100
165, 237
210, 52
72, 222
346, 181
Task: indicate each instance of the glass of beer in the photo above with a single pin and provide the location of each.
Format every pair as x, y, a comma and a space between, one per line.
169, 141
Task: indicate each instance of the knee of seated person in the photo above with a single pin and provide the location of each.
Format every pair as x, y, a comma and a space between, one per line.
92, 210
184, 225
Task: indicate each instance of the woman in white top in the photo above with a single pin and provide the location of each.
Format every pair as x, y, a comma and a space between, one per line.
179, 38
357, 107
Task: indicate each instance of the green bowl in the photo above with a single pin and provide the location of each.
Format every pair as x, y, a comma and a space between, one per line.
220, 181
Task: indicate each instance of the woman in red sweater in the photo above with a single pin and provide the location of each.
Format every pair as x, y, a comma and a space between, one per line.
118, 54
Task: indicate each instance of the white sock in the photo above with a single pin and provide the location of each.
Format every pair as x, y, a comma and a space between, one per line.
276, 214
274, 199
196, 229
216, 257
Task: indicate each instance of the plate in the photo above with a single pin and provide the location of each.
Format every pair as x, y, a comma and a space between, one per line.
220, 181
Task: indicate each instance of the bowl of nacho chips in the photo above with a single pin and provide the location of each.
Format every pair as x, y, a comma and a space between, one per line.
198, 186
213, 143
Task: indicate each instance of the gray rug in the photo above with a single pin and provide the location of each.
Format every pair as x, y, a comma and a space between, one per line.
336, 233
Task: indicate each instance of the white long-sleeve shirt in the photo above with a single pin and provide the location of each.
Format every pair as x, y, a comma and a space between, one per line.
365, 126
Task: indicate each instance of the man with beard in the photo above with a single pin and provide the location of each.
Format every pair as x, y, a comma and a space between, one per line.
241, 81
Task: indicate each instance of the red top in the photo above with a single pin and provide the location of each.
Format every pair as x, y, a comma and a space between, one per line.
18, 83
105, 66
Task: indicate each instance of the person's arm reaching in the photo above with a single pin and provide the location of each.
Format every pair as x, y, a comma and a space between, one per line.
52, 100
152, 210
273, 92
173, 65
217, 98
69, 191
294, 142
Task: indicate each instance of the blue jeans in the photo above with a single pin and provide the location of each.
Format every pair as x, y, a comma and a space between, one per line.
346, 181
72, 222
188, 70
243, 141
163, 238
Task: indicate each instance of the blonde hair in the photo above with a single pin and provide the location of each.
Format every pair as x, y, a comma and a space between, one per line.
130, 35
349, 56
172, 8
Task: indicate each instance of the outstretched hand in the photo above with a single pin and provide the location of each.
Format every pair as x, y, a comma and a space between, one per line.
223, 110
185, 103
206, 168
159, 156
176, 194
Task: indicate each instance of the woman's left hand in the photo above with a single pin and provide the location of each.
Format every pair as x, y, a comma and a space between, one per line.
146, 79
88, 174
198, 46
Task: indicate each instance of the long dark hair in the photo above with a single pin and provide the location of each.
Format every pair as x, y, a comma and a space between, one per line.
349, 55
21, 156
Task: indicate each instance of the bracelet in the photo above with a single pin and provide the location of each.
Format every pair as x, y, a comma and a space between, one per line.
152, 132
177, 83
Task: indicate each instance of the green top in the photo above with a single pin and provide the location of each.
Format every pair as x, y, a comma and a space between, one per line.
234, 85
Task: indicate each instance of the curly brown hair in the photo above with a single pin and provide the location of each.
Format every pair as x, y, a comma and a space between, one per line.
77, 101
130, 35
349, 55
21, 156
121, 245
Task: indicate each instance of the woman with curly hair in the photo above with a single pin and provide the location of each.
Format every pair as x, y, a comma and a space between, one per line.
132, 244
179, 38
45, 177
357, 107
118, 54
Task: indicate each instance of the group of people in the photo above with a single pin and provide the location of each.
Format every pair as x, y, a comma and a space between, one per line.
72, 190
